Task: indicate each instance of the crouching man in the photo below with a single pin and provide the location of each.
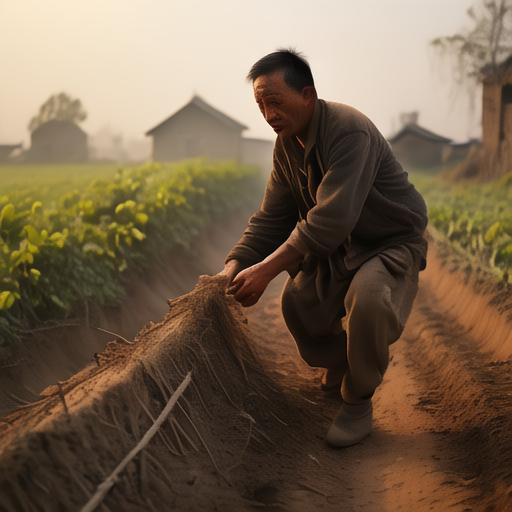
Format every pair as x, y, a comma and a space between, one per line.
340, 215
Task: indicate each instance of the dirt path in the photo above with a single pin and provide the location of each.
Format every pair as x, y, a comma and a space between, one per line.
250, 434
408, 462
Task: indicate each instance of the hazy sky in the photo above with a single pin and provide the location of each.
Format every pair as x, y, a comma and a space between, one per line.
134, 62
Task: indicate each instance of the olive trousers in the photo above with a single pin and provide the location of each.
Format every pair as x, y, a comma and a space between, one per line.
346, 320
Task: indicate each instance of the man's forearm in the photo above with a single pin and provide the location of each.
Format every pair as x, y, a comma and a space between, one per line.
285, 257
249, 284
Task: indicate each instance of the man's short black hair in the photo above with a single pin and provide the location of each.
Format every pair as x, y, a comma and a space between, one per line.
297, 73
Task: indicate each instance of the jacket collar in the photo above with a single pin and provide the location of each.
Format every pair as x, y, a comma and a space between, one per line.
311, 135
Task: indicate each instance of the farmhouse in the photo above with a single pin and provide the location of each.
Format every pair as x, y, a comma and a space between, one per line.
57, 142
497, 118
458, 151
6, 150
257, 152
415, 146
200, 130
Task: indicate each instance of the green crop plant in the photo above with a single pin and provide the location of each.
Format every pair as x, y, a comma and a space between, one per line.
475, 217
59, 253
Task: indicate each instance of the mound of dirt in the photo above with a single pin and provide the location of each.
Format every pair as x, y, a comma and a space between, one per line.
459, 341
50, 354
472, 297
55, 452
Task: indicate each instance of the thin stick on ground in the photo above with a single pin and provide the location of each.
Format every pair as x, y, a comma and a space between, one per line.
164, 439
112, 333
76, 324
109, 482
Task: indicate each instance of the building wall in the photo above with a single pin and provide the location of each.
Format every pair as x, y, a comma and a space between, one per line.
194, 133
413, 151
58, 142
506, 143
258, 152
491, 107
506, 106
496, 157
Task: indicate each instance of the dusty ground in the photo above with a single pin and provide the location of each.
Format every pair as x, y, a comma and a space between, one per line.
255, 419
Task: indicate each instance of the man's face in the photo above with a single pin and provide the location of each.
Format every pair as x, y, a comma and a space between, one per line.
287, 111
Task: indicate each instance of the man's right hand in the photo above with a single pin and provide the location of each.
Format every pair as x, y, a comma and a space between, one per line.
231, 269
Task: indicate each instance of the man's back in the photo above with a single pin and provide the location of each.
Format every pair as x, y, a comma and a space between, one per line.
350, 192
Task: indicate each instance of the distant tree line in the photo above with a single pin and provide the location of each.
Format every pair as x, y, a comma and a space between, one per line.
61, 107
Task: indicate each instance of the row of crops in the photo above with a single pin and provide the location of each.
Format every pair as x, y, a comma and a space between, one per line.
59, 254
476, 218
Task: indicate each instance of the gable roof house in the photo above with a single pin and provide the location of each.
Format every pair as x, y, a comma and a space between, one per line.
200, 130
415, 146
58, 141
197, 130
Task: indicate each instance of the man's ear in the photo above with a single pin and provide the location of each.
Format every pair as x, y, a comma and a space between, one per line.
309, 93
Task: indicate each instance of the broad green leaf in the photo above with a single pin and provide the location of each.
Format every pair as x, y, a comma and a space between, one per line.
7, 214
127, 205
35, 273
142, 218
7, 299
32, 234
36, 207
57, 301
136, 233
491, 233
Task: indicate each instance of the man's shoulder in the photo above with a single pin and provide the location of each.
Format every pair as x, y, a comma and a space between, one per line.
344, 119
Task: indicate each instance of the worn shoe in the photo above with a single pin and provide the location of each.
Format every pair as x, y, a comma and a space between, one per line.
352, 423
331, 380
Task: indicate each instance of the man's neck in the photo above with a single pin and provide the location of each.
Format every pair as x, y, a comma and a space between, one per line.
302, 137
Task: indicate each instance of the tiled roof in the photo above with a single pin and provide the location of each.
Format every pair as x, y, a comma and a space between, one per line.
206, 107
419, 131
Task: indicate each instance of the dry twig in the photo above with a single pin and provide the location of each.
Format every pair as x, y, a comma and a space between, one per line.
109, 482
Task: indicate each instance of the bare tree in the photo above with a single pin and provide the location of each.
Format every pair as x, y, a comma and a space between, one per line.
479, 50
61, 107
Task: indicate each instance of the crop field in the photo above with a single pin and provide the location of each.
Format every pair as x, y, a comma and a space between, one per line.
69, 235
476, 219
51, 180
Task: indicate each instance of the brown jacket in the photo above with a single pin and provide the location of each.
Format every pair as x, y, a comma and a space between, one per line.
343, 196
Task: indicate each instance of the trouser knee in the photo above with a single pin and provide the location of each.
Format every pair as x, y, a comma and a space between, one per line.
370, 312
319, 345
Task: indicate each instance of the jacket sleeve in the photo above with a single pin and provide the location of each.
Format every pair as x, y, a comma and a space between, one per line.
350, 174
270, 225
